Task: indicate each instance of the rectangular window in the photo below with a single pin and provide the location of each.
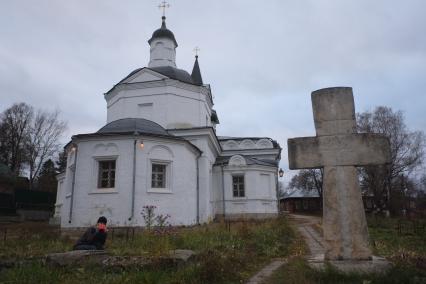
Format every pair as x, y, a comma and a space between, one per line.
238, 186
158, 179
106, 176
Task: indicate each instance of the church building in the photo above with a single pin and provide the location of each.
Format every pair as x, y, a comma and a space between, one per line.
160, 147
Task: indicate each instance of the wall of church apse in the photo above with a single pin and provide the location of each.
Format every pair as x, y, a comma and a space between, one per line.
178, 199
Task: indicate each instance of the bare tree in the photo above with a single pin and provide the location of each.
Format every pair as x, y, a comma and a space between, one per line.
308, 180
407, 152
281, 189
43, 140
14, 126
423, 183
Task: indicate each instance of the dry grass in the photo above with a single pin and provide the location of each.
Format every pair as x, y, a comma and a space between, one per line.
226, 254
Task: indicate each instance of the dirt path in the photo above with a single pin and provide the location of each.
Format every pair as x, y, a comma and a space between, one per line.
308, 228
267, 271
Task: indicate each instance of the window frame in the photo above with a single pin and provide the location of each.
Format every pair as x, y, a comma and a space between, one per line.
94, 189
167, 176
155, 182
100, 179
238, 190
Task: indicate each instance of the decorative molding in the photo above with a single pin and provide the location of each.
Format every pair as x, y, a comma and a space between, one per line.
264, 143
230, 145
247, 144
238, 161
161, 147
105, 148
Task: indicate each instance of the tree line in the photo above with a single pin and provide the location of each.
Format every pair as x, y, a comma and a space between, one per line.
387, 185
30, 141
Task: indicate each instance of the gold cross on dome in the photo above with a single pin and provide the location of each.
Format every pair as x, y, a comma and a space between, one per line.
196, 49
163, 6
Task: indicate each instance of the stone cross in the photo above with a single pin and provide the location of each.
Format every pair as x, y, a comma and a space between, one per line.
339, 149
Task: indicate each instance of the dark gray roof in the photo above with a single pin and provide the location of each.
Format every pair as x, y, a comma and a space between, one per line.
174, 73
250, 161
214, 118
163, 32
196, 73
300, 193
169, 71
132, 125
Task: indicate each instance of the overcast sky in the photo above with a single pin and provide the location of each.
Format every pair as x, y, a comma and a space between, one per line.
262, 58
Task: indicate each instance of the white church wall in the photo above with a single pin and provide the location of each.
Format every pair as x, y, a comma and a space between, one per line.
60, 192
169, 106
217, 192
260, 198
207, 188
204, 187
178, 199
163, 53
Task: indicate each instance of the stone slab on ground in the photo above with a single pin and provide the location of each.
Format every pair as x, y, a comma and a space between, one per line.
181, 255
76, 257
101, 257
376, 265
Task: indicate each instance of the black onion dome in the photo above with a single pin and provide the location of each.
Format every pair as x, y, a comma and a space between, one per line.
132, 125
163, 32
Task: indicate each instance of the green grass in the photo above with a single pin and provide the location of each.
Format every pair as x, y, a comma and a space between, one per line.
298, 272
33, 244
387, 240
405, 249
225, 255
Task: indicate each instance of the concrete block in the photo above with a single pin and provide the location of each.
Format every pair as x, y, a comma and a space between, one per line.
334, 111
338, 150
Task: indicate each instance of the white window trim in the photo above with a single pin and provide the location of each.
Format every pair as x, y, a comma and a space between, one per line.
169, 176
95, 174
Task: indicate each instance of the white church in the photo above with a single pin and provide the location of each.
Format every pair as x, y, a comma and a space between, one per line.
160, 147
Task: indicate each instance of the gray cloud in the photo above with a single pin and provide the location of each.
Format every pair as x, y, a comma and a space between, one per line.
262, 58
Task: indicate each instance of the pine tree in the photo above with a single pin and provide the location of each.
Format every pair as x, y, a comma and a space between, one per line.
47, 178
61, 162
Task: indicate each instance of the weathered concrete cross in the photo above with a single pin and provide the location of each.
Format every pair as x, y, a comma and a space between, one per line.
339, 149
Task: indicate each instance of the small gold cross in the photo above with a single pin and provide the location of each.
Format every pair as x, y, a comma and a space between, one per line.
196, 49
163, 6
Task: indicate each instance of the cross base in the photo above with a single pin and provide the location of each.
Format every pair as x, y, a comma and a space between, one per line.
375, 265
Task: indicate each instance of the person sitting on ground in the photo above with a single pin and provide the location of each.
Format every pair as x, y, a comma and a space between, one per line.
94, 238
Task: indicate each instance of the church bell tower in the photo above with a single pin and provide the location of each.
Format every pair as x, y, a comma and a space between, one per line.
163, 47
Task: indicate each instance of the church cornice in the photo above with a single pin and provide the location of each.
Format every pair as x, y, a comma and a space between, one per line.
246, 168
120, 136
156, 84
195, 132
252, 152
